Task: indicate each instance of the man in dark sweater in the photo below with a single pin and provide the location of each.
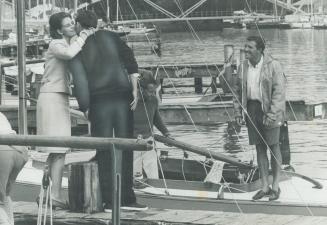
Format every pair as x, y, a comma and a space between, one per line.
146, 115
105, 80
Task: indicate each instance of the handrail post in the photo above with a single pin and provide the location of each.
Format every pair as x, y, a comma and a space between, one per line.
22, 113
1, 77
117, 159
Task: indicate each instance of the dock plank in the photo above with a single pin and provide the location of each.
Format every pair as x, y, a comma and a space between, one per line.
181, 216
306, 220
26, 213
221, 218
254, 219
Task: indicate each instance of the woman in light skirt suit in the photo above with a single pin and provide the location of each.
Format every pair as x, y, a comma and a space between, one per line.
53, 117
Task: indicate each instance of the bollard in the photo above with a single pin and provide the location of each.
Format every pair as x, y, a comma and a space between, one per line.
117, 157
226, 78
84, 188
35, 88
228, 53
2, 84
213, 84
198, 85
242, 56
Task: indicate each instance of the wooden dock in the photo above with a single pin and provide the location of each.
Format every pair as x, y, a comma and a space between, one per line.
26, 214
215, 108
188, 112
200, 112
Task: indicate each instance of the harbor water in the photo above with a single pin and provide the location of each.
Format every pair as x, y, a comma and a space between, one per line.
302, 54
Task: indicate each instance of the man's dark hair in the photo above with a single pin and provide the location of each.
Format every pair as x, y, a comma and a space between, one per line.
260, 43
87, 19
146, 78
55, 23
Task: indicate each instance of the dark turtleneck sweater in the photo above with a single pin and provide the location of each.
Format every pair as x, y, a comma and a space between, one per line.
101, 69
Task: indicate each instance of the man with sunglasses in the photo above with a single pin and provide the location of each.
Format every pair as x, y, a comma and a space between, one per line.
259, 92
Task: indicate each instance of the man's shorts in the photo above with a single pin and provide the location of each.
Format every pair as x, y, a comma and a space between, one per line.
258, 133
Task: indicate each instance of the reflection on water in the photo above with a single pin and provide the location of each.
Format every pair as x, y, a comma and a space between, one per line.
308, 144
301, 52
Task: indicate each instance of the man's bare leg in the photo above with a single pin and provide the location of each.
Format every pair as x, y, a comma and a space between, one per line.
276, 161
263, 164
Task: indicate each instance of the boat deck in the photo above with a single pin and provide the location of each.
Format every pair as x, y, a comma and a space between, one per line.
26, 213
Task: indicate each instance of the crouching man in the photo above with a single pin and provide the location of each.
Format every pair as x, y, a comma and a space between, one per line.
146, 115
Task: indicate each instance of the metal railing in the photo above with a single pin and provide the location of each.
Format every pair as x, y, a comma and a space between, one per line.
76, 142
86, 143
14, 63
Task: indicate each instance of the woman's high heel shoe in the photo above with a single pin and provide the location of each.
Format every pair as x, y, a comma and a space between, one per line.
55, 203
59, 204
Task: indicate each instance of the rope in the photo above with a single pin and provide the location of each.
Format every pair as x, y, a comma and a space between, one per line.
45, 189
159, 163
195, 36
178, 93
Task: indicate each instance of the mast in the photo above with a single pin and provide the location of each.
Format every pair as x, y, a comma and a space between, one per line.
75, 6
13, 8
22, 113
53, 5
276, 12
44, 9
108, 12
1, 13
311, 7
117, 9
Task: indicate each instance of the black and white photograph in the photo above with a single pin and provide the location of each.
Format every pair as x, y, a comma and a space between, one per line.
163, 112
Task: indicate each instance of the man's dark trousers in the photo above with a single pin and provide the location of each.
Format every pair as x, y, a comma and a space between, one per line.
111, 115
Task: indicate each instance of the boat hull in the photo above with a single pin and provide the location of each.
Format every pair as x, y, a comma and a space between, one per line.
298, 196
301, 25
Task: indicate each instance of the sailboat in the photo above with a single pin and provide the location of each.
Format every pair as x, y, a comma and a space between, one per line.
320, 21
122, 30
302, 21
135, 28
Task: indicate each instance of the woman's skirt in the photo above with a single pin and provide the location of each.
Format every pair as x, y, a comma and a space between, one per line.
53, 118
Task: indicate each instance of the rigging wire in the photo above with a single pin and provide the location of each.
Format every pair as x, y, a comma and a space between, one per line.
271, 152
177, 92
175, 87
234, 93
217, 68
188, 113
